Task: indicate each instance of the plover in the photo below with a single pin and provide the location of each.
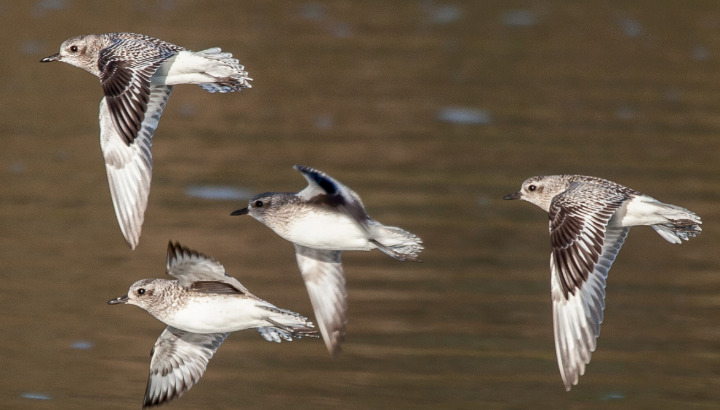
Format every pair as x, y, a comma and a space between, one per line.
323, 220
589, 220
200, 308
137, 74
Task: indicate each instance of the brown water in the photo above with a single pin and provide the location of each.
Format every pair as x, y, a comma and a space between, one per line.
370, 92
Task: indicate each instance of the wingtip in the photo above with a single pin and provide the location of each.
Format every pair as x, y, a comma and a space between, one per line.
334, 349
303, 169
334, 342
132, 241
307, 170
174, 250
174, 246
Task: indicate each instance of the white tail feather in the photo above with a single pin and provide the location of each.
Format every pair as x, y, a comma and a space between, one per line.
681, 224
397, 243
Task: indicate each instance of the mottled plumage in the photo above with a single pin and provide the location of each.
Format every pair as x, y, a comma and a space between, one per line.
200, 308
323, 220
589, 220
137, 74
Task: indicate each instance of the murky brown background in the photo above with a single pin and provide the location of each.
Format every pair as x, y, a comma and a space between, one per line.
431, 111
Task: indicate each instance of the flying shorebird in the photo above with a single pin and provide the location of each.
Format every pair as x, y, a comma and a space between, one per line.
137, 74
589, 220
323, 220
200, 308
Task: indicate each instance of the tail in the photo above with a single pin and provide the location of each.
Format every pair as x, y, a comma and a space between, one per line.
395, 242
286, 325
681, 224
228, 74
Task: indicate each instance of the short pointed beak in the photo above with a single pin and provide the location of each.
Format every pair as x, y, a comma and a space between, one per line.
48, 59
243, 211
117, 301
516, 195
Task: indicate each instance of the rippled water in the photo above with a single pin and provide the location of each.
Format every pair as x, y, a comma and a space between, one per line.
431, 112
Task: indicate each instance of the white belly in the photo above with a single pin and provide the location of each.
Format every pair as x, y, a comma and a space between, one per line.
218, 314
328, 231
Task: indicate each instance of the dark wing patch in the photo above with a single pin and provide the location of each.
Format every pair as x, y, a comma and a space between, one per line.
578, 219
215, 288
332, 196
125, 79
332, 201
127, 95
327, 184
324, 191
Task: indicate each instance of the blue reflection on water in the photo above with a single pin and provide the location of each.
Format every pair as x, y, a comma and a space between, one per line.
82, 345
464, 115
218, 192
35, 396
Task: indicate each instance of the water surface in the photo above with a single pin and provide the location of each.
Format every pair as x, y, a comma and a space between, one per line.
432, 112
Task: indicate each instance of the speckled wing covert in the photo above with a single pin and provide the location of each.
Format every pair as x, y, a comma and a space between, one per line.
325, 281
583, 250
129, 115
126, 67
178, 361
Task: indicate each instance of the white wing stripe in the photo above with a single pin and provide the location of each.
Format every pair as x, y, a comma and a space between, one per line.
577, 319
325, 282
129, 167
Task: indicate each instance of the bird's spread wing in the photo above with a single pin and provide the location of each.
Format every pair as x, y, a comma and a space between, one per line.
129, 166
583, 250
324, 190
200, 272
177, 362
323, 274
125, 71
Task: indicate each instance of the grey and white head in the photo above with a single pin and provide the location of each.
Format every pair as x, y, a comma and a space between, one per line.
81, 52
541, 190
148, 294
268, 208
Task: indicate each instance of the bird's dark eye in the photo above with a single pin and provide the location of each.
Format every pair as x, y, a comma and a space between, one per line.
258, 204
141, 291
532, 188
74, 49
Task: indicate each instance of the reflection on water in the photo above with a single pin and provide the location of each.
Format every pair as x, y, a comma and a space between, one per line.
432, 112
467, 116
218, 192
35, 396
